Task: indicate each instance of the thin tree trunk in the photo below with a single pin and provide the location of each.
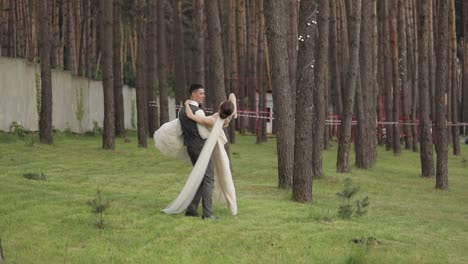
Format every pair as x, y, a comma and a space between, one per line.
242, 52
403, 72
281, 85
303, 137
216, 60
89, 39
388, 77
465, 66
180, 75
344, 143
365, 130
70, 43
151, 66
320, 86
455, 107
427, 163
440, 107
261, 73
415, 83
108, 137
292, 43
198, 43
252, 53
140, 74
335, 65
396, 79
45, 116
162, 66
233, 63
117, 69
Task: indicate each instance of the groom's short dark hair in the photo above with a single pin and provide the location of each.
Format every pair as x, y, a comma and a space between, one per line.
194, 87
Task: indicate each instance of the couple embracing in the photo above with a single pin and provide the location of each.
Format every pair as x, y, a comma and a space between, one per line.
201, 139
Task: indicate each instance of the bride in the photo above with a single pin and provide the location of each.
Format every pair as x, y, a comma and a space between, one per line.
169, 140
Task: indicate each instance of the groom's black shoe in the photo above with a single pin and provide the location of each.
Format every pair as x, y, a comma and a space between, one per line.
211, 217
191, 214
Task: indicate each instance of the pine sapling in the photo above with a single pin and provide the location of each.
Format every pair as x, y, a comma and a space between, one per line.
99, 205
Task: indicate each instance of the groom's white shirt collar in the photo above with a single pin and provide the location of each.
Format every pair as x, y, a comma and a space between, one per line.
194, 103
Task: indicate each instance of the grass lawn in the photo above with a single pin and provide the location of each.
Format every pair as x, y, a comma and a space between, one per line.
51, 222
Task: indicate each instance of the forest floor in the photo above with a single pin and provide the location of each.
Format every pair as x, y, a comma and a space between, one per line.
50, 221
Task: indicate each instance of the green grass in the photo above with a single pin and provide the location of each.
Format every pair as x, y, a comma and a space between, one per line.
50, 221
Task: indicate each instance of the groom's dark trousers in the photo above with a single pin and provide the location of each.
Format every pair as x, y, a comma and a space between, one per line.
194, 143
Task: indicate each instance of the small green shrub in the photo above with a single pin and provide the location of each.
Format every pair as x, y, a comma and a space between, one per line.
98, 206
346, 210
17, 129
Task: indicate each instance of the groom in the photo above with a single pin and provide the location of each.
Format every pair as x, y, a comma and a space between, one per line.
194, 143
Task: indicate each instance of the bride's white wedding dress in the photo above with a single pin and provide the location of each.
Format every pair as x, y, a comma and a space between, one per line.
169, 140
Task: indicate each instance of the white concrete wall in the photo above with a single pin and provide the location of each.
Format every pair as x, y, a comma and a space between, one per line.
18, 101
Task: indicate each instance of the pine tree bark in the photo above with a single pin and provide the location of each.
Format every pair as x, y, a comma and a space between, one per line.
252, 70
89, 45
140, 75
162, 66
108, 137
117, 68
415, 83
198, 42
388, 77
179, 73
403, 72
276, 28
233, 63
292, 43
455, 96
321, 71
365, 96
261, 74
344, 142
70, 43
151, 66
303, 137
427, 163
440, 96
396, 80
465, 66
45, 116
216, 59
335, 65
243, 66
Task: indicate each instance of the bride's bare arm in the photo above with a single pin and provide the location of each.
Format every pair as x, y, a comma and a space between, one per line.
203, 120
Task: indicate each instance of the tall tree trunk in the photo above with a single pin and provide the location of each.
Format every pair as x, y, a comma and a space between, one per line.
140, 74
108, 137
320, 86
252, 70
233, 63
216, 60
440, 106
45, 117
388, 76
179, 74
415, 84
242, 52
403, 72
432, 59
89, 45
292, 43
465, 66
162, 66
455, 95
344, 142
396, 79
151, 66
303, 137
335, 65
427, 163
365, 98
117, 69
261, 74
276, 28
198, 43
70, 43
